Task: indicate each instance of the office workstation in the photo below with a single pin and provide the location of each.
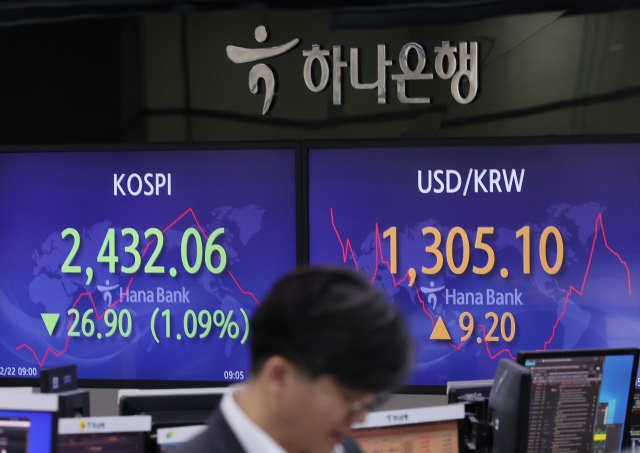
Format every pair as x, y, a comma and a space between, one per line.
576, 401
478, 163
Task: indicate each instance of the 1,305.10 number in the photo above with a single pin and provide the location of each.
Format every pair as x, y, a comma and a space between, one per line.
459, 268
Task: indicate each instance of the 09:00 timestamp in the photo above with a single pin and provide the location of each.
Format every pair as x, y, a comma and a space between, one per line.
21, 371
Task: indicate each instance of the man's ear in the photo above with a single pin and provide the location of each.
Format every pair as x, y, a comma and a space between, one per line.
278, 375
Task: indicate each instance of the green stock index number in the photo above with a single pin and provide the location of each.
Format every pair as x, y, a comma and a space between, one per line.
108, 254
115, 321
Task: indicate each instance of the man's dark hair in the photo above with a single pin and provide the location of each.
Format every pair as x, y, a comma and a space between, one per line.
328, 320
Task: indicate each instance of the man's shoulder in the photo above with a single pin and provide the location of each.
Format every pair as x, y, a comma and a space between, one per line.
217, 438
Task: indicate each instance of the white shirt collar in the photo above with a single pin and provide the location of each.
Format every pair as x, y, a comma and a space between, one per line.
252, 438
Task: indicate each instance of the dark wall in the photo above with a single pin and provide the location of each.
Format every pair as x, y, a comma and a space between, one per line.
166, 77
68, 82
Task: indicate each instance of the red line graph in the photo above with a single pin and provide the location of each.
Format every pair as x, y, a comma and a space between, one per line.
586, 274
347, 250
99, 316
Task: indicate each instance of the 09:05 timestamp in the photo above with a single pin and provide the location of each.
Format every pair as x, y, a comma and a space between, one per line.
21, 371
234, 375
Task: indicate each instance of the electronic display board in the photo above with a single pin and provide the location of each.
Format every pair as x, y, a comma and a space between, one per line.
140, 265
487, 248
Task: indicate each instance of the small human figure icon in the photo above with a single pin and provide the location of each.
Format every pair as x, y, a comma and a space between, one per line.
432, 298
239, 55
107, 298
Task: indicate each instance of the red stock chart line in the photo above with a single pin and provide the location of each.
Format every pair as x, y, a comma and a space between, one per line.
347, 250
99, 315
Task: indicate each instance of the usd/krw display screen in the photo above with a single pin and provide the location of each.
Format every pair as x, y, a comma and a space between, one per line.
140, 265
488, 250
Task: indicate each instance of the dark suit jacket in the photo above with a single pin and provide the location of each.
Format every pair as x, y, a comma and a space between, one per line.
218, 438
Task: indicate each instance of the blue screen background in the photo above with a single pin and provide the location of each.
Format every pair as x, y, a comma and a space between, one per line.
41, 431
615, 387
588, 192
250, 193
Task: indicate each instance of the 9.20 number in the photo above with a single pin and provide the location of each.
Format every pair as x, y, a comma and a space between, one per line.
507, 322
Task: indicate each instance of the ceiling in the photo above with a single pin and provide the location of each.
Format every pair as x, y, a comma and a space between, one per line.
359, 14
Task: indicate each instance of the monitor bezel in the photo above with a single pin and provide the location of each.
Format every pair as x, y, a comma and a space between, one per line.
110, 425
294, 146
151, 396
457, 388
414, 417
180, 434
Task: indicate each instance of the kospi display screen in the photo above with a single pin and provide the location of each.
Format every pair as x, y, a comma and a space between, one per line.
487, 250
140, 265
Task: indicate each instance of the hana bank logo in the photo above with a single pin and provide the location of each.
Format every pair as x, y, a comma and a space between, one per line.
107, 298
457, 64
432, 298
239, 55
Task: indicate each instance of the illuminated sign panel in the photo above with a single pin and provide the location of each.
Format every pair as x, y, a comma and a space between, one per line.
140, 265
488, 250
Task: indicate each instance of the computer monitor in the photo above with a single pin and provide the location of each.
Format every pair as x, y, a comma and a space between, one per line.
168, 440
28, 423
416, 430
634, 424
581, 399
172, 407
509, 407
109, 434
75, 403
456, 389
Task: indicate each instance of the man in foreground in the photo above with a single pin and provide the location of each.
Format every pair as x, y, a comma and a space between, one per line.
326, 347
